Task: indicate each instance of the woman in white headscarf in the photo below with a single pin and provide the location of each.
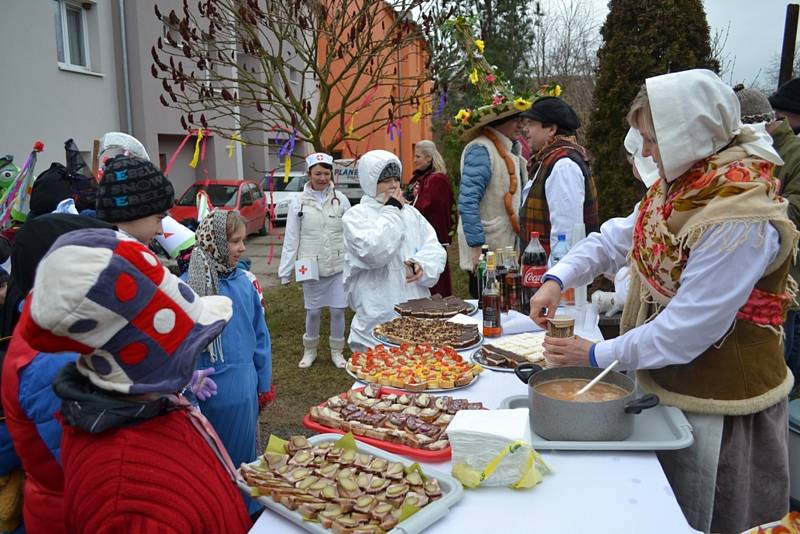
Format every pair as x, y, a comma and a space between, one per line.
392, 253
710, 248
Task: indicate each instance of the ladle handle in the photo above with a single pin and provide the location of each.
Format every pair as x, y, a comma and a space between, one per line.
597, 379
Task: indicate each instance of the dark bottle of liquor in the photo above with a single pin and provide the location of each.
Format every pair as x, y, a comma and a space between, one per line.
500, 271
513, 282
492, 326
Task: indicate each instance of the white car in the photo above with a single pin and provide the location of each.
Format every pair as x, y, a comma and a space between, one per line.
283, 193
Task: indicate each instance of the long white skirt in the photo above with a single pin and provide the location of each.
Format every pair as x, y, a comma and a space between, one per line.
328, 291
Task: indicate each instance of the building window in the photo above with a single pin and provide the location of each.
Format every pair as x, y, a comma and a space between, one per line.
72, 41
294, 76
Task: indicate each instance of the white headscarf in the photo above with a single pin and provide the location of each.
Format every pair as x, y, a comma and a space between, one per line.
695, 115
647, 168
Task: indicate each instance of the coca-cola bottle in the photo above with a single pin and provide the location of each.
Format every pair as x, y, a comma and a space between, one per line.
534, 265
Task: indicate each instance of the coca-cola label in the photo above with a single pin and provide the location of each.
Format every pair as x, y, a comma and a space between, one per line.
532, 275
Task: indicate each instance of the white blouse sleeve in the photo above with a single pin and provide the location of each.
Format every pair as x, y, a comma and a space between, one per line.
601, 252
564, 190
715, 283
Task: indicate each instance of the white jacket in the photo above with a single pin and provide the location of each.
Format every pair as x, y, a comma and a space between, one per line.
378, 240
317, 234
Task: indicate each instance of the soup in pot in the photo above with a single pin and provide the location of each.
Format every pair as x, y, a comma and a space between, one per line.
566, 388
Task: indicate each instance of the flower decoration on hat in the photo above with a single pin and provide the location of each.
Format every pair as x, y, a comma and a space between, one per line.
500, 99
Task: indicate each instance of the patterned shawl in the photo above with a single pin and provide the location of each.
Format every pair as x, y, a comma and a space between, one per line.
729, 187
209, 262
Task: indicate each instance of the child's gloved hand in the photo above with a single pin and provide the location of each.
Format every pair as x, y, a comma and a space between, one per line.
265, 398
201, 385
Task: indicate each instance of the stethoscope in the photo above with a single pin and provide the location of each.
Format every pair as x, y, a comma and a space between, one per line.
302, 204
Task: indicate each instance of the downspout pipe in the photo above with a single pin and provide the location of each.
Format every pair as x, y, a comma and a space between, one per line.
125, 76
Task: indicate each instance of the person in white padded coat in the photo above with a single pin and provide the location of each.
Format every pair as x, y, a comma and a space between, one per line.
392, 253
314, 232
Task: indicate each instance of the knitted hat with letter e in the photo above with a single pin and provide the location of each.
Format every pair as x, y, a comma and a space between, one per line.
132, 188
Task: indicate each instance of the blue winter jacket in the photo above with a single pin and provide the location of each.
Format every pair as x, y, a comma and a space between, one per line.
475, 176
38, 400
245, 372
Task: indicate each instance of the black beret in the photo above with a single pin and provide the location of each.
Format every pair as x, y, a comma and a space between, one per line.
553, 110
788, 97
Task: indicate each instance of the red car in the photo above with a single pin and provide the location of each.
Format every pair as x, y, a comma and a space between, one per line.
244, 196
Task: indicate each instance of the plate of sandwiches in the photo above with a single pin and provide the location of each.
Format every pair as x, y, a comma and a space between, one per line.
412, 424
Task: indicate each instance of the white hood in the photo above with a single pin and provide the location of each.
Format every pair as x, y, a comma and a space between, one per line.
647, 168
370, 166
695, 115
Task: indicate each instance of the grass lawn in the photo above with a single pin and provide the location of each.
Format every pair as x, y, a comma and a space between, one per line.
298, 389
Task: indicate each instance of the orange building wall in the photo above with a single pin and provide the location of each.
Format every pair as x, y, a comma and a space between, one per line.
414, 57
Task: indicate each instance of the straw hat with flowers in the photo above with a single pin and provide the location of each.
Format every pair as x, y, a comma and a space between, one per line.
500, 100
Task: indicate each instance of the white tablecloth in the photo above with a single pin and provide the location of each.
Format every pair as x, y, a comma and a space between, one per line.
598, 492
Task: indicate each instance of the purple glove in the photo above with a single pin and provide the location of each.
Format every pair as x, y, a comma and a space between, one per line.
201, 385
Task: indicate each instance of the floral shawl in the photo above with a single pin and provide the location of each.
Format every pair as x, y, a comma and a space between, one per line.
729, 187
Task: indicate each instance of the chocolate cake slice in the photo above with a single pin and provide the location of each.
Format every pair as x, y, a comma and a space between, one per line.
434, 307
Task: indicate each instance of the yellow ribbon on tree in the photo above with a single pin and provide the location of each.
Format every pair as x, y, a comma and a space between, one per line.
196, 156
234, 139
287, 167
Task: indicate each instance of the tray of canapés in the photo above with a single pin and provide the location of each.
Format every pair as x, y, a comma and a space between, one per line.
405, 423
330, 483
413, 368
436, 332
506, 353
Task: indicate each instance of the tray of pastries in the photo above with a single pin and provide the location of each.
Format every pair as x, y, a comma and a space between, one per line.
431, 331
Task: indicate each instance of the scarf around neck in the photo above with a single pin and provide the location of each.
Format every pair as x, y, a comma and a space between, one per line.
209, 262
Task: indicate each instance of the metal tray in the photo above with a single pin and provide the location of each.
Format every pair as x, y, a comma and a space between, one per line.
435, 390
452, 492
384, 341
661, 428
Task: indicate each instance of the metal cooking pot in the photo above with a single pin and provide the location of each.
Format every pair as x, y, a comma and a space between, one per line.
560, 420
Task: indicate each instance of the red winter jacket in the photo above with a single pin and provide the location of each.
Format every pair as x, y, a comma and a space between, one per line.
43, 506
159, 475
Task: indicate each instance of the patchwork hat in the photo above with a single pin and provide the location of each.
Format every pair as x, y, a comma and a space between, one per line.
132, 188
319, 158
139, 329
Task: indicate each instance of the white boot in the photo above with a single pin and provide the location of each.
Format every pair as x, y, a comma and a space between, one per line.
337, 346
310, 345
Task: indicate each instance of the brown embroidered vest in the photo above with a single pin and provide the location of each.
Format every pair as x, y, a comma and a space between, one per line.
535, 212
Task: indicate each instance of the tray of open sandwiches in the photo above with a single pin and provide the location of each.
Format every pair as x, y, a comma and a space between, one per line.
405, 423
506, 353
435, 332
435, 307
413, 368
327, 483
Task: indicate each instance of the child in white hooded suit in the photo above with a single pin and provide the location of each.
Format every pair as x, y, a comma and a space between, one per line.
392, 253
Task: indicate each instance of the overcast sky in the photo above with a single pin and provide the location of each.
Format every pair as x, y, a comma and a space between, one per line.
755, 37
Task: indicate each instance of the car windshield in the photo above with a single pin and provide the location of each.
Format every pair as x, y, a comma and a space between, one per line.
295, 183
219, 195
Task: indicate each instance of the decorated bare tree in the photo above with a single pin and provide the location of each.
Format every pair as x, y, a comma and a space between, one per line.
302, 66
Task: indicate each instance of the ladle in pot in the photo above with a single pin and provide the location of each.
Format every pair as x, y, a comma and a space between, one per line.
596, 379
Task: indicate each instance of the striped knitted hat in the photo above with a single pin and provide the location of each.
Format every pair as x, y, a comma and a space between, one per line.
132, 188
